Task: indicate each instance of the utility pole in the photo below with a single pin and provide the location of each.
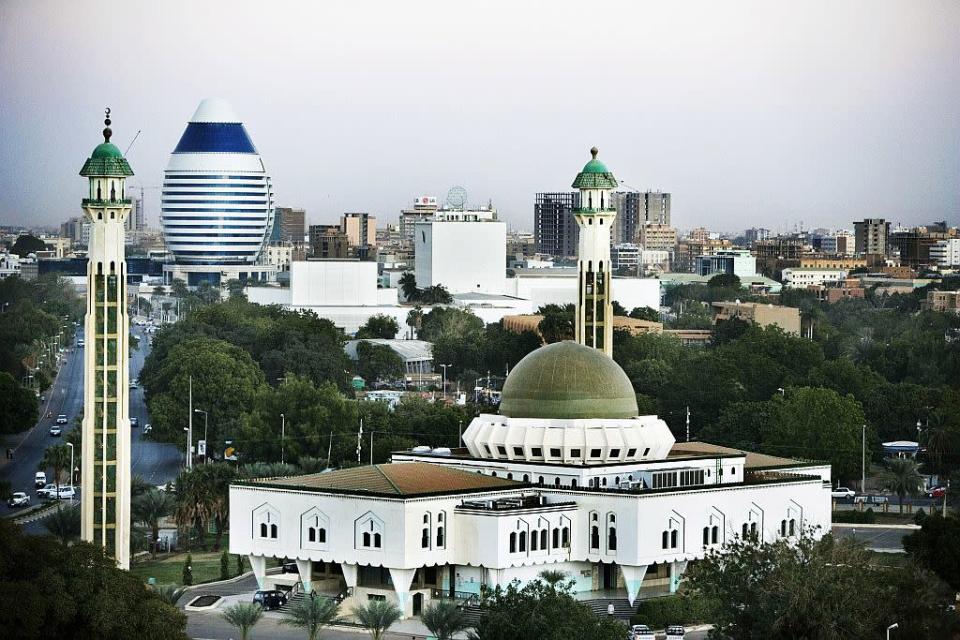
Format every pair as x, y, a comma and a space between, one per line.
190, 429
329, 449
688, 423
283, 435
863, 460
371, 448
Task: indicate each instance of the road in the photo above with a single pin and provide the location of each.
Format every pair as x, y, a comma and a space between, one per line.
878, 538
156, 462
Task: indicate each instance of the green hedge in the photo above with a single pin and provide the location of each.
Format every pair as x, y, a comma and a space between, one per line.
855, 517
657, 613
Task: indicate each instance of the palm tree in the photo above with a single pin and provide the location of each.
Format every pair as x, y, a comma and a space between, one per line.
169, 593
553, 577
243, 616
64, 524
217, 478
376, 617
408, 285
902, 476
444, 619
192, 503
57, 458
149, 508
312, 615
941, 438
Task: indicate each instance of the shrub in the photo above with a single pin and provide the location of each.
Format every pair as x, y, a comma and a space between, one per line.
188, 571
657, 613
855, 517
224, 565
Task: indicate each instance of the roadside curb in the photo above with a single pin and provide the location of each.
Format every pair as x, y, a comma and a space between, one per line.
851, 525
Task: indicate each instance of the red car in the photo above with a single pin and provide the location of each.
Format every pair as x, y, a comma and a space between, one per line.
937, 492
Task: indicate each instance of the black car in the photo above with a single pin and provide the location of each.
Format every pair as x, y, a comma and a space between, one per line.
289, 567
271, 599
134, 422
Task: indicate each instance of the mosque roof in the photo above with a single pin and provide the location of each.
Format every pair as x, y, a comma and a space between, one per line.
595, 175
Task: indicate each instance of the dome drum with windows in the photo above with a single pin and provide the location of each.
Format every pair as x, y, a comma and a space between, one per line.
567, 403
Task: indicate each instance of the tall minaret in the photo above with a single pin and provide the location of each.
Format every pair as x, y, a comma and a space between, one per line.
594, 313
105, 495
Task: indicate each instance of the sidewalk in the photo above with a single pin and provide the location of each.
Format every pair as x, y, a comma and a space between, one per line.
14, 440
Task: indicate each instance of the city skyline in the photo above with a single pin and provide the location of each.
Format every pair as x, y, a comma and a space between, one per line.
764, 114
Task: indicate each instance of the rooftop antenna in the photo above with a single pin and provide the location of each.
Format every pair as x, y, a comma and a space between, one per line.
131, 142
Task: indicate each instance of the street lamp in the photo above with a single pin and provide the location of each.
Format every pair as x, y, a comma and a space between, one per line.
283, 433
895, 625
783, 392
205, 444
445, 379
70, 444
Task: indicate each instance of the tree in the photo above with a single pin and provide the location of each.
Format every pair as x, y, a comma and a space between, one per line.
76, 591
187, 576
936, 546
27, 244
540, 610
815, 589
376, 616
312, 614
178, 288
437, 294
169, 593
235, 288
645, 313
18, 405
225, 565
902, 476
378, 362
244, 616
408, 286
724, 281
57, 458
64, 524
444, 619
149, 508
379, 326
557, 322
414, 318
203, 496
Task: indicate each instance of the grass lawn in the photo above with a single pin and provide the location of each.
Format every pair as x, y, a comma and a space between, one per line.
169, 570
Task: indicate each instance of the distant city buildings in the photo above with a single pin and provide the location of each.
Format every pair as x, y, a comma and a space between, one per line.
657, 237
754, 234
289, 225
764, 315
554, 229
423, 207
328, 241
635, 209
870, 236
737, 262
465, 256
945, 253
361, 232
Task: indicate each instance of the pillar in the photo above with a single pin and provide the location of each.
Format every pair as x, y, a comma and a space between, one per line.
349, 575
633, 579
676, 572
259, 566
305, 567
402, 579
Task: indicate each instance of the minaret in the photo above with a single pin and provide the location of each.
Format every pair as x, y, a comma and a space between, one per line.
594, 313
105, 495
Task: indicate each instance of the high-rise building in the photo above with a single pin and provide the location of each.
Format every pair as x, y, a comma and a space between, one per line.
361, 231
105, 445
135, 222
217, 201
423, 208
871, 236
289, 225
754, 234
593, 324
635, 209
554, 229
658, 237
946, 253
328, 241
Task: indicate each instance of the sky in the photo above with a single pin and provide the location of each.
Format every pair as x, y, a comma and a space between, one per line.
768, 113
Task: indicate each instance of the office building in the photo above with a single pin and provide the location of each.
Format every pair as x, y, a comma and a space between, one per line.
554, 229
870, 236
289, 225
424, 207
135, 221
658, 237
753, 234
105, 444
945, 253
764, 315
361, 232
464, 257
735, 262
328, 241
635, 209
217, 200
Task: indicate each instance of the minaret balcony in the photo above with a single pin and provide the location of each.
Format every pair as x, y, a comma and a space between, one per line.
87, 202
584, 210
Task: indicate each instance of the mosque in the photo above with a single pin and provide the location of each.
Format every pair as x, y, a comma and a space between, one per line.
566, 477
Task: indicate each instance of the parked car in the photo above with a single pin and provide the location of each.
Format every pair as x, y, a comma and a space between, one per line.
270, 599
843, 492
19, 499
147, 428
62, 419
80, 343
47, 491
871, 499
66, 493
937, 492
676, 632
56, 431
641, 632
39, 479
289, 567
134, 422
133, 384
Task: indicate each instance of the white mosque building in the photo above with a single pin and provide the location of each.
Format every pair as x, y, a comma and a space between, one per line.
567, 476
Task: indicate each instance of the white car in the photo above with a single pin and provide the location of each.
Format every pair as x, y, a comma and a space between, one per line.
56, 431
66, 493
19, 499
641, 632
842, 492
47, 491
39, 479
676, 632
62, 419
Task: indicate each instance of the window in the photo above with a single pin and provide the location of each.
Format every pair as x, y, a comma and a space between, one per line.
565, 537
614, 453
664, 479
666, 539
493, 473
556, 482
691, 477
534, 541
753, 528
594, 537
266, 521
574, 453
573, 482
425, 538
366, 538
377, 539
646, 452
616, 480
596, 453
714, 534
612, 539
744, 532
502, 450
604, 482
556, 537
440, 539
673, 539
631, 453
543, 539
509, 476
540, 481
706, 536
792, 526
369, 532
263, 529
536, 452
518, 451
314, 527
523, 541
556, 453
526, 477
513, 542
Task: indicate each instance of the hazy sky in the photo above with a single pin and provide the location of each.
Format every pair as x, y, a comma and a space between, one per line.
759, 113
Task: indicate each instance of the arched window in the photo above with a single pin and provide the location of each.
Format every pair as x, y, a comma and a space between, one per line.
573, 482
706, 536
543, 539
273, 531
440, 537
523, 541
314, 525
594, 537
312, 534
322, 535
604, 482
425, 538
744, 530
540, 481
556, 482
370, 530
366, 538
556, 537
715, 534
673, 539
509, 476
440, 517
493, 473
513, 542
753, 528
612, 539
783, 527
426, 519
113, 191
377, 540
526, 477
616, 480
263, 529
565, 537
792, 524
98, 190
534, 541
589, 200
666, 539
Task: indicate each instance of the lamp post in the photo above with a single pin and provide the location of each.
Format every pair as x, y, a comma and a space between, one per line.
70, 444
895, 625
445, 379
205, 444
283, 433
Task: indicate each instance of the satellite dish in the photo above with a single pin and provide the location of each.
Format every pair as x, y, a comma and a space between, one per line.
457, 198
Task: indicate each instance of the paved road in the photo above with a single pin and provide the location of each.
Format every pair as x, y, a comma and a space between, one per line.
156, 462
888, 539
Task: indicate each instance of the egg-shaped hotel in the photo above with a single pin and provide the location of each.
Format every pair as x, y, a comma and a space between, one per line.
217, 201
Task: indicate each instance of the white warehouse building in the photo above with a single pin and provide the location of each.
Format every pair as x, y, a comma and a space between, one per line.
464, 257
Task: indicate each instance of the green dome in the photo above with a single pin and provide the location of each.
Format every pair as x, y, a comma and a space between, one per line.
595, 166
106, 150
595, 175
566, 380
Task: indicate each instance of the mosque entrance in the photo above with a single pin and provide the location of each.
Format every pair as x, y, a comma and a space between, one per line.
609, 571
417, 604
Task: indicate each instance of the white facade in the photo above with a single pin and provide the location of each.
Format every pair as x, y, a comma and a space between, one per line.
798, 278
559, 286
217, 201
946, 253
333, 283
464, 257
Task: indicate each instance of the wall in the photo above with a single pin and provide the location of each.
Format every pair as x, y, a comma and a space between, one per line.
464, 257
333, 282
562, 289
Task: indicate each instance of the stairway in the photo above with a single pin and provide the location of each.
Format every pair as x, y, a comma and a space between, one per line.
291, 601
621, 608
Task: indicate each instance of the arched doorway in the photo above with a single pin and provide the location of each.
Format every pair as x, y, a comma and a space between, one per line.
417, 604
